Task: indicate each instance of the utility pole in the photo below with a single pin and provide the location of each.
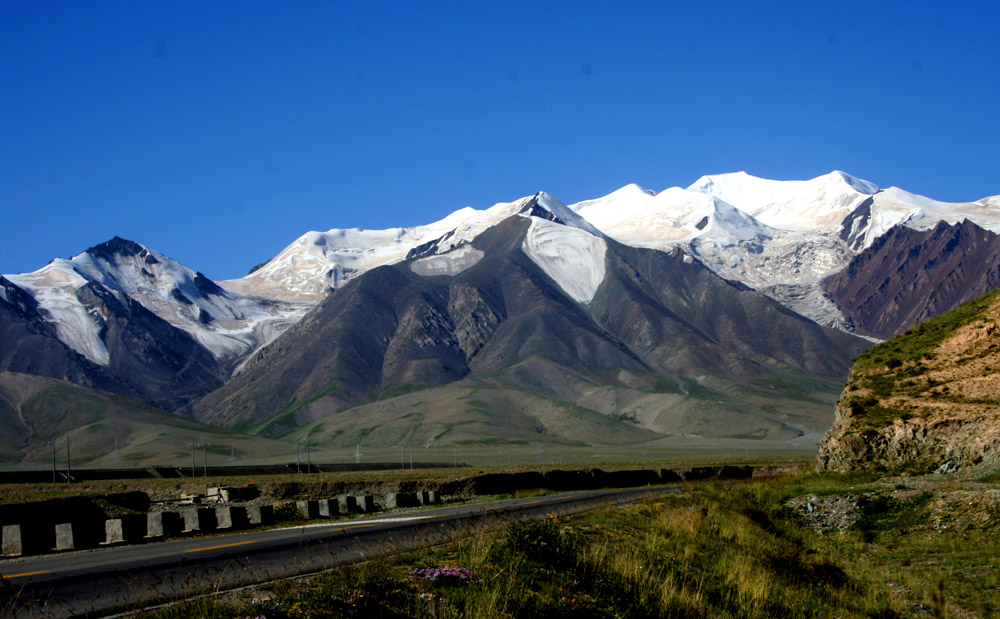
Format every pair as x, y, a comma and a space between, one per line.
204, 455
298, 458
194, 446
116, 454
232, 455
309, 464
53, 443
69, 473
357, 454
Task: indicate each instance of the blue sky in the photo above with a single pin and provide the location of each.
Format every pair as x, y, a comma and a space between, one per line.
218, 132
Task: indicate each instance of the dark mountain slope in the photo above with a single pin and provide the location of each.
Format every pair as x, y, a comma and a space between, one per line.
29, 345
682, 318
392, 329
908, 276
658, 324
165, 365
149, 358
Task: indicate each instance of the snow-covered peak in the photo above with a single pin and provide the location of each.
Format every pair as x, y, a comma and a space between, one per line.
318, 262
228, 324
818, 204
895, 206
634, 216
544, 206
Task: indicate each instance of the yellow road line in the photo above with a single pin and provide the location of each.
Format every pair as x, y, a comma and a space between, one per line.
222, 546
27, 574
489, 509
531, 502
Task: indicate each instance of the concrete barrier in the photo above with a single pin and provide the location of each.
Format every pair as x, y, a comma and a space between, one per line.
365, 503
27, 539
77, 535
126, 529
327, 508
308, 509
347, 504
260, 515
401, 499
199, 520
231, 517
164, 524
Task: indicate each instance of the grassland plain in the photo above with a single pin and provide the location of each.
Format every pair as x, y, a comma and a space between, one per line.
726, 549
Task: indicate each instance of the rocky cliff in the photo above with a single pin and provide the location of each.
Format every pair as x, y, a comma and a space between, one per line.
927, 400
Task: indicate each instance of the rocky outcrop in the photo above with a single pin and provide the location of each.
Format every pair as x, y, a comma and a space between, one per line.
925, 401
943, 445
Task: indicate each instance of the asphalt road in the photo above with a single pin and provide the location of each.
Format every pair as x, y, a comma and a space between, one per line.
107, 581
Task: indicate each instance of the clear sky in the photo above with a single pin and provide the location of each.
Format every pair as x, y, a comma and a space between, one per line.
218, 132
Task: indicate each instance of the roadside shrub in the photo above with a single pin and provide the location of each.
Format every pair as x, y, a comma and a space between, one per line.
287, 512
540, 540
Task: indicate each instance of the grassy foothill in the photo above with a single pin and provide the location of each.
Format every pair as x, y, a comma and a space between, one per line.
809, 545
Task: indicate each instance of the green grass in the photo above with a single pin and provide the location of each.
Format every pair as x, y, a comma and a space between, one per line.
917, 343
899, 367
283, 421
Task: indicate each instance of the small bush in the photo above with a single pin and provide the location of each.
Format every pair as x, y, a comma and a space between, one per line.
287, 512
539, 540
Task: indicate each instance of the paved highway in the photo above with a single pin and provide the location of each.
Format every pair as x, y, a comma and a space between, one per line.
105, 581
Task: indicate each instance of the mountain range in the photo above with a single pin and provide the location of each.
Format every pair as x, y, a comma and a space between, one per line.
731, 308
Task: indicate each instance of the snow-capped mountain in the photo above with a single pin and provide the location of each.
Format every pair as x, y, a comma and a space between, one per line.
817, 204
780, 237
120, 310
228, 324
318, 262
540, 328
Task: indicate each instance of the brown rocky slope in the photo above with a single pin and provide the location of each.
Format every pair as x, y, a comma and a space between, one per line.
927, 400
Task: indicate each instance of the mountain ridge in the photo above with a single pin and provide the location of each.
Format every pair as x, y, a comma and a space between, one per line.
119, 311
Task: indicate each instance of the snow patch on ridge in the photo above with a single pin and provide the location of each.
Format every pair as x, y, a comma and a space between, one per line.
54, 286
451, 263
571, 256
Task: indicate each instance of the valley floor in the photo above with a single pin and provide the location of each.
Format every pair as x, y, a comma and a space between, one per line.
808, 545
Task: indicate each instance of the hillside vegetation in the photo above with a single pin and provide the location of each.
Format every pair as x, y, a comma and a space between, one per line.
925, 400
